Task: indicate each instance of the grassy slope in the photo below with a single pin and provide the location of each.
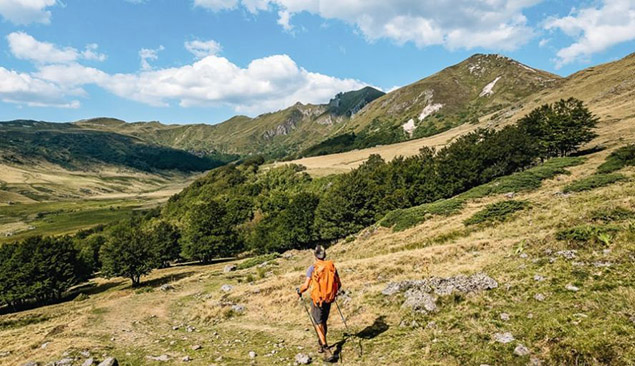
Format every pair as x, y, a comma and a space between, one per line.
591, 325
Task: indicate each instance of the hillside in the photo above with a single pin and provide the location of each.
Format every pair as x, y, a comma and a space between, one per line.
275, 134
555, 300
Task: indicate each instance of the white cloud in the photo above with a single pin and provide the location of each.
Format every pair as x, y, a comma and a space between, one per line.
26, 11
216, 5
147, 54
201, 49
266, 84
595, 29
25, 47
543, 42
494, 24
24, 89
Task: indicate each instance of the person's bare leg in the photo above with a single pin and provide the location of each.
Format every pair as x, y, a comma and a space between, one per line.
321, 333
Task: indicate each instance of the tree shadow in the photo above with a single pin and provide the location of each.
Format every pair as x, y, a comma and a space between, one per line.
156, 282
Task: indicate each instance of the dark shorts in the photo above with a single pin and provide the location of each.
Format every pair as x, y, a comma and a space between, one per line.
320, 313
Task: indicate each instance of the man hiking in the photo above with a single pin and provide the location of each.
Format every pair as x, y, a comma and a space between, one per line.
324, 281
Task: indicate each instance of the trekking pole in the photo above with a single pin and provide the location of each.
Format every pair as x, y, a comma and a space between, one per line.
297, 290
348, 332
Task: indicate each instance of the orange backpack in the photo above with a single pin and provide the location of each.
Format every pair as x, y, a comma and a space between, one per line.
324, 281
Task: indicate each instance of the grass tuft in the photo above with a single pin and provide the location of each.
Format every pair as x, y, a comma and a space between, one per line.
403, 219
252, 262
592, 182
496, 212
582, 234
620, 158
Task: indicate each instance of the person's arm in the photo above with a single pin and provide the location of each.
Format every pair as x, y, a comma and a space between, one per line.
305, 285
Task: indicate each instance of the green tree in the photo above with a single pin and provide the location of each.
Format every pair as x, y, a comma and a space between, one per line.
164, 238
128, 252
561, 128
209, 232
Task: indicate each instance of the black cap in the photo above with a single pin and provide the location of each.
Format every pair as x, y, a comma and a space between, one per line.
320, 253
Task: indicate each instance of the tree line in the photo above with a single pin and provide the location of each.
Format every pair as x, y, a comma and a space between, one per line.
240, 207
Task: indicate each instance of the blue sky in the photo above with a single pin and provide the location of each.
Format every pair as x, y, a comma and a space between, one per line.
192, 61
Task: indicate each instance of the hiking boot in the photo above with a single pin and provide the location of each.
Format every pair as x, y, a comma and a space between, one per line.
322, 348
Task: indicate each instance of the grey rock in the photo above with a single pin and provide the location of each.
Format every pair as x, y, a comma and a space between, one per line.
602, 264
162, 358
510, 195
538, 278
110, 361
226, 288
186, 359
444, 286
238, 309
176, 327
166, 287
196, 347
302, 359
535, 361
570, 287
420, 301
431, 325
190, 329
65, 362
523, 255
230, 268
539, 297
503, 337
521, 350
85, 353
252, 354
89, 362
632, 319
567, 254
31, 363
505, 317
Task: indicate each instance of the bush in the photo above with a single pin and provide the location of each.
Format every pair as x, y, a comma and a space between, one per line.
620, 158
252, 262
612, 214
403, 219
496, 212
586, 233
592, 182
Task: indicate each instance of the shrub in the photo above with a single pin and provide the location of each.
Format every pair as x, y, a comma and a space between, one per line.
252, 262
624, 156
586, 233
612, 214
403, 219
592, 182
496, 212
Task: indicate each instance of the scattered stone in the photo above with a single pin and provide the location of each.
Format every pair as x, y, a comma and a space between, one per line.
166, 287
523, 255
226, 288
238, 309
632, 319
538, 278
503, 337
444, 286
44, 345
535, 361
162, 358
186, 359
521, 350
196, 347
172, 343
110, 361
570, 287
505, 317
230, 268
606, 251
302, 359
65, 362
190, 329
567, 254
510, 195
89, 362
539, 297
530, 316
431, 325
84, 353
252, 354
602, 264
31, 363
4, 353
420, 301
176, 327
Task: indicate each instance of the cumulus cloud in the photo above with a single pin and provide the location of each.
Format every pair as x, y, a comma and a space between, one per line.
494, 24
26, 11
595, 29
201, 49
23, 89
25, 47
265, 84
148, 54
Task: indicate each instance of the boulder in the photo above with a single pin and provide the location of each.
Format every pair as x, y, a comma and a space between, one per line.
503, 337
230, 268
420, 301
89, 362
521, 350
302, 359
110, 361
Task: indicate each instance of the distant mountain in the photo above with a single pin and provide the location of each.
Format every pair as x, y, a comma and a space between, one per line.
75, 148
275, 134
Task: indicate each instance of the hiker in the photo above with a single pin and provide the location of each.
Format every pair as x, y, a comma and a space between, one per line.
325, 282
